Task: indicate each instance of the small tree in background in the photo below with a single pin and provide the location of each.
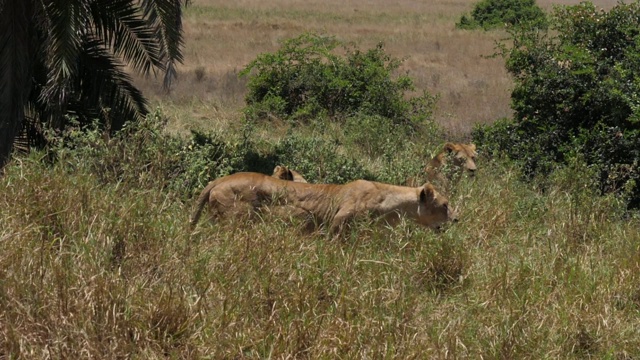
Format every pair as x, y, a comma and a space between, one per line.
306, 79
577, 93
491, 14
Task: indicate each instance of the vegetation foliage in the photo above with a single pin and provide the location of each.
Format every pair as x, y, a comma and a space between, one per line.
306, 79
98, 258
69, 57
143, 154
491, 14
576, 94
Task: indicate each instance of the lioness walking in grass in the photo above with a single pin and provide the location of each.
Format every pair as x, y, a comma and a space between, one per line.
329, 204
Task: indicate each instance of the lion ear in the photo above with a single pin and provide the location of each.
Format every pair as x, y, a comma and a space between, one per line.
449, 147
427, 193
287, 173
472, 146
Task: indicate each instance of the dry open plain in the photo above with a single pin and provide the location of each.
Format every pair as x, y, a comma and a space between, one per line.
222, 37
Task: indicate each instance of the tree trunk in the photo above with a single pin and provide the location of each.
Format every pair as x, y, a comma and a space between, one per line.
17, 18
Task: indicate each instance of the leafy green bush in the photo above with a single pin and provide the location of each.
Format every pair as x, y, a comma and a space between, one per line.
204, 157
375, 135
491, 14
576, 89
504, 137
143, 155
306, 79
319, 159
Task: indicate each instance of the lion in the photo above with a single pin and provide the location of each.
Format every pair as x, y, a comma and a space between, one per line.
462, 157
331, 205
284, 173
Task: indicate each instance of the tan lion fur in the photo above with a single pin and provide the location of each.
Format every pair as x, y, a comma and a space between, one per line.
462, 157
329, 204
283, 173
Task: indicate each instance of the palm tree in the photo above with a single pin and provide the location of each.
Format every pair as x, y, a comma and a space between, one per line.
61, 57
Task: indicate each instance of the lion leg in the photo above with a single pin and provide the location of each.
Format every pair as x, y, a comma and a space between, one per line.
339, 221
222, 205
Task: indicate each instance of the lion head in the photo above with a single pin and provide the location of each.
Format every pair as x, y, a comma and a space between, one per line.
463, 156
283, 173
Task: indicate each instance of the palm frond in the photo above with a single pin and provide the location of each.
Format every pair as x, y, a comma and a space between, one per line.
105, 90
166, 15
67, 57
32, 133
66, 25
120, 24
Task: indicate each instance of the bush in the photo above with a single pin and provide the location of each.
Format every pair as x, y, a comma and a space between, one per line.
204, 157
491, 14
143, 155
375, 135
319, 159
576, 90
306, 79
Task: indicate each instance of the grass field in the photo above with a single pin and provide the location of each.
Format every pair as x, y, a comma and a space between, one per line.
222, 37
98, 259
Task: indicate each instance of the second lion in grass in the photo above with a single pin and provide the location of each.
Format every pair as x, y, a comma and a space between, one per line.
449, 164
284, 173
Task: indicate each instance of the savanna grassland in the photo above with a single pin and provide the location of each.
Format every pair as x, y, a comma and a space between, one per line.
98, 259
222, 37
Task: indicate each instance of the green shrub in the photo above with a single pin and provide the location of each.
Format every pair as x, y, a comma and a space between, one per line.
143, 155
491, 14
615, 158
204, 157
576, 89
375, 135
319, 159
504, 137
306, 79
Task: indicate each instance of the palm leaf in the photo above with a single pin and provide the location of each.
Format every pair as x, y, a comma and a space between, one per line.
166, 16
119, 23
67, 57
66, 24
110, 94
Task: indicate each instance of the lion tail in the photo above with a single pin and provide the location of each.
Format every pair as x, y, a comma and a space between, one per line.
202, 201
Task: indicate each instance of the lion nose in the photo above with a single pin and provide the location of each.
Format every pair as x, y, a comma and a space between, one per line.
453, 216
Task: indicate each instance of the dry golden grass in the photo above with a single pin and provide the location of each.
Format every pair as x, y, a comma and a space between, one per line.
222, 37
109, 269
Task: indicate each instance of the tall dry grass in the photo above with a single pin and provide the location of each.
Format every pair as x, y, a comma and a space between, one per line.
98, 269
